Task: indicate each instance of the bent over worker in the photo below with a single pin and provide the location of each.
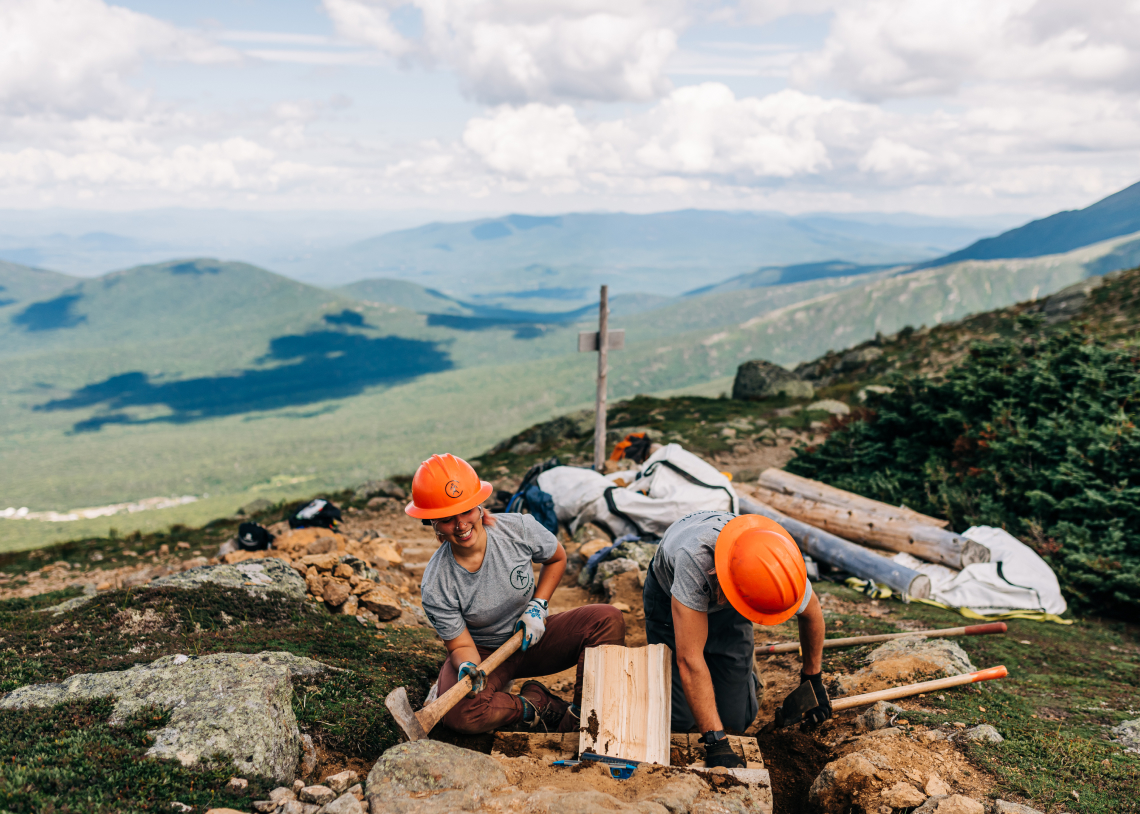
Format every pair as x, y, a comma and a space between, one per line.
479, 588
714, 574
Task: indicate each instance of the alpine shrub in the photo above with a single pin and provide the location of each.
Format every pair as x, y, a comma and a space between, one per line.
1038, 437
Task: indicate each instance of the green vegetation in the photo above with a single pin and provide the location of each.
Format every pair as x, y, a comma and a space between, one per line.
1038, 437
64, 758
68, 759
1067, 686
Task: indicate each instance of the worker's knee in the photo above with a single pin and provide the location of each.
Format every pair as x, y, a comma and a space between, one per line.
469, 716
610, 626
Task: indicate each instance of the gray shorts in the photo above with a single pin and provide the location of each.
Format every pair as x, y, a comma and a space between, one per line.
729, 654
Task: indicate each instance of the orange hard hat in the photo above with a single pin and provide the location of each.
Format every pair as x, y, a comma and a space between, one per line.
760, 569
445, 486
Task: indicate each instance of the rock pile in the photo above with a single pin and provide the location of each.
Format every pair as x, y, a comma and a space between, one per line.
757, 380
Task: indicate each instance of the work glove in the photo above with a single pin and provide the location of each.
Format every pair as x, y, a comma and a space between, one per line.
478, 677
721, 754
787, 715
533, 621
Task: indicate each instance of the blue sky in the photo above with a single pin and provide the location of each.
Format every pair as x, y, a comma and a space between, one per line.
942, 107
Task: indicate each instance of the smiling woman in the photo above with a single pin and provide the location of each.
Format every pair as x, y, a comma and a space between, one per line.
479, 588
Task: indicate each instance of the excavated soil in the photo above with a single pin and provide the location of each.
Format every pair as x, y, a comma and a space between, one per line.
794, 759
529, 775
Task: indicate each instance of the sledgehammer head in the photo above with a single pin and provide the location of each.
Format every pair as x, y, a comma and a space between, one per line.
401, 709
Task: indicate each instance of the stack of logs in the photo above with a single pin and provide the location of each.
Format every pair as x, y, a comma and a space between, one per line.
350, 576
826, 521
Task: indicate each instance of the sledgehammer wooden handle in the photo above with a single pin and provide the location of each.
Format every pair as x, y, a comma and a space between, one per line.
417, 725
914, 689
968, 630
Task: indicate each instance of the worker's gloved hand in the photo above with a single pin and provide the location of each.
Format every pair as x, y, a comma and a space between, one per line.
721, 754
478, 677
815, 717
533, 622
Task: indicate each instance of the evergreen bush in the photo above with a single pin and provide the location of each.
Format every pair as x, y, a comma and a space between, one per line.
1036, 436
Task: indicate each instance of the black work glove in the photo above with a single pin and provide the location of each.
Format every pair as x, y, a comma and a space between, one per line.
721, 754
815, 717
786, 715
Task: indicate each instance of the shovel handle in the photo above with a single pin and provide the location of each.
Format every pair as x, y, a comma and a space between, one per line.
430, 715
908, 690
851, 641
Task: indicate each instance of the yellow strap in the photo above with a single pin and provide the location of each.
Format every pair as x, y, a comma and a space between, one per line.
881, 591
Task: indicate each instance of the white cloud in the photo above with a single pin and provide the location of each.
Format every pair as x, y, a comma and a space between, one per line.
882, 49
511, 51
69, 56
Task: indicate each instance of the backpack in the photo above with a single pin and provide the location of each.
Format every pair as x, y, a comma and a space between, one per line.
252, 537
320, 513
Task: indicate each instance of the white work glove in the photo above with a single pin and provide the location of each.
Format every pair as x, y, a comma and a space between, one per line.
533, 621
478, 677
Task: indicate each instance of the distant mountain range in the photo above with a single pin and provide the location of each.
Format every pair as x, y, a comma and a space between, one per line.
1118, 214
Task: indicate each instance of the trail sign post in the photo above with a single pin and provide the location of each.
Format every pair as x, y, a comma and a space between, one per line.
602, 341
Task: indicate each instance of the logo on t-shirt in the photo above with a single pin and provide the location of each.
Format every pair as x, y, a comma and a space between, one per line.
521, 577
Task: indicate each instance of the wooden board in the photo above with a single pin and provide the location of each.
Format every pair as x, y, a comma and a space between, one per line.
689, 750
543, 746
627, 702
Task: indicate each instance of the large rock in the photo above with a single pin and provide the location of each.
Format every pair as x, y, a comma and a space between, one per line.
901, 661
982, 733
877, 717
429, 777
757, 380
737, 800
841, 780
257, 577
236, 704
379, 488
902, 795
611, 568
1128, 735
1003, 807
953, 804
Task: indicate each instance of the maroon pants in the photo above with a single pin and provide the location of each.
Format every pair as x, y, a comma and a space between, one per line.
562, 646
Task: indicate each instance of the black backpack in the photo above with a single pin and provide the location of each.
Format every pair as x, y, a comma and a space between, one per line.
252, 537
320, 513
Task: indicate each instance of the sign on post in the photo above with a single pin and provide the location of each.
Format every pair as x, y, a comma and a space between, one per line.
601, 341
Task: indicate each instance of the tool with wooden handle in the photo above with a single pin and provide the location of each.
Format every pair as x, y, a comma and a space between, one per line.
803, 699
851, 641
907, 691
417, 725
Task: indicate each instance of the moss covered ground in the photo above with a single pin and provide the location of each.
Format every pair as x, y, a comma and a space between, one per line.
69, 759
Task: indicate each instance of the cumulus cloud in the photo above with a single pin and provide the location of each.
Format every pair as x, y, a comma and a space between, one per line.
69, 56
512, 51
883, 49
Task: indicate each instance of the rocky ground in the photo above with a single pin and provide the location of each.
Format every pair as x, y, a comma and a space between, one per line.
255, 682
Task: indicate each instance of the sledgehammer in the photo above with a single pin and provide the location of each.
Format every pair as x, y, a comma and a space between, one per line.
851, 641
417, 725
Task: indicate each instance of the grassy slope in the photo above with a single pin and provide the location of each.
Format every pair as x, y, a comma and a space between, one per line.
20, 285
1067, 684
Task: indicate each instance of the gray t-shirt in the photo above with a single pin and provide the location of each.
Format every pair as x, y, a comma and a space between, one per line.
687, 554
488, 602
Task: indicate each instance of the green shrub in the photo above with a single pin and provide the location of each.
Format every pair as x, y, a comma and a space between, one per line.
1038, 437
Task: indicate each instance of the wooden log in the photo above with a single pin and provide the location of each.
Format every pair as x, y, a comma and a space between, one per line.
786, 483
627, 702
827, 547
881, 530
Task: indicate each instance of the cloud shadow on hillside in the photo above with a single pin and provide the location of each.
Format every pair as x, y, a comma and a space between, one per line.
50, 315
319, 365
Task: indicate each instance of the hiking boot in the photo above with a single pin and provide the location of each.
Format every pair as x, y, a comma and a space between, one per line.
549, 709
571, 720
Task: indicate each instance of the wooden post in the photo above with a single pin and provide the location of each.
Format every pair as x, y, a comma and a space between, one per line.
786, 483
627, 702
600, 404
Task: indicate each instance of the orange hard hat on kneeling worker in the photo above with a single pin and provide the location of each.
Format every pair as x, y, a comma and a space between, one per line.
445, 486
760, 569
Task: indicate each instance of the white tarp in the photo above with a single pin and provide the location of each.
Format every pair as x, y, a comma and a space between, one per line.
672, 483
1015, 578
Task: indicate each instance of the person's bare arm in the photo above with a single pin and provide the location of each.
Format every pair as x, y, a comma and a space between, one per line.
811, 636
462, 648
692, 631
551, 574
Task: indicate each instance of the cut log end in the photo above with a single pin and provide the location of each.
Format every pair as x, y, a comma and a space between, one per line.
973, 552
920, 587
